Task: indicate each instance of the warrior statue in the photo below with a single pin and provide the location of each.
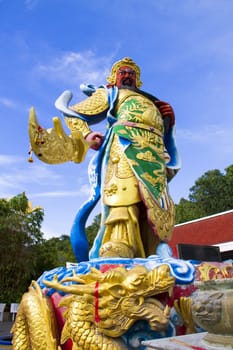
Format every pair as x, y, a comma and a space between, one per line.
133, 163
129, 288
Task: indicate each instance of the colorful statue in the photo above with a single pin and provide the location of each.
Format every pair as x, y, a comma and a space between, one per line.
135, 160
119, 294
130, 289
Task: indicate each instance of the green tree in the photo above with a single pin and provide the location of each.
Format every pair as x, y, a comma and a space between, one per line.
228, 190
52, 253
92, 230
19, 234
187, 211
212, 193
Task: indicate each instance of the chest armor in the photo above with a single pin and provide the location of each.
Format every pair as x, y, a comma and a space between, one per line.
133, 107
120, 184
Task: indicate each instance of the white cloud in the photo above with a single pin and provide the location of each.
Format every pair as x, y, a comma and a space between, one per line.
30, 4
17, 175
6, 102
8, 159
71, 67
84, 190
213, 135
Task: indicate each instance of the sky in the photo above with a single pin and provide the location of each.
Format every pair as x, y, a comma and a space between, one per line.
185, 52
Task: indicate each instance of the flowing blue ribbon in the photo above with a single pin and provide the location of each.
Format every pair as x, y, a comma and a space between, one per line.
78, 236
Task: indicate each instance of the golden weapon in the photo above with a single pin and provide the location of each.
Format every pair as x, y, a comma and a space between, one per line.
53, 146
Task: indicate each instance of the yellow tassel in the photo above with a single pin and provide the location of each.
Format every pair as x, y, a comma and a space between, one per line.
30, 159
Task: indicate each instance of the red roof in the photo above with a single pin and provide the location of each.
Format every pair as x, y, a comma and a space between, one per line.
209, 230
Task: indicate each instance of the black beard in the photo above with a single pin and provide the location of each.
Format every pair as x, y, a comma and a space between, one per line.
127, 82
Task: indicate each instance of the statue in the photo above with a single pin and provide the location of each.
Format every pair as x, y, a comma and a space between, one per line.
130, 288
134, 162
121, 293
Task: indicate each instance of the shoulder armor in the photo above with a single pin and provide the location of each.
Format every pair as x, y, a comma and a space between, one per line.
95, 104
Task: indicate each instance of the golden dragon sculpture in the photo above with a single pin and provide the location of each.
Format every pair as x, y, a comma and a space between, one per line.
35, 325
100, 308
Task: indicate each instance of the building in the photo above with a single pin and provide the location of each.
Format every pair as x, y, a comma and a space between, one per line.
215, 230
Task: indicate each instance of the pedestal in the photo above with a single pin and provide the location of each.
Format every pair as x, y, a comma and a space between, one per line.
191, 341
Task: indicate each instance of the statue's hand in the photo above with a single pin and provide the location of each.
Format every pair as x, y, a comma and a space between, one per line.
53, 146
95, 140
167, 113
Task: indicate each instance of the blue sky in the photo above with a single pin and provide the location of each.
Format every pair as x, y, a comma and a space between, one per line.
184, 49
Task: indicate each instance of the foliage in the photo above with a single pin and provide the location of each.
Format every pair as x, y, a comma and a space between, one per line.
92, 230
19, 233
25, 255
52, 253
212, 193
187, 211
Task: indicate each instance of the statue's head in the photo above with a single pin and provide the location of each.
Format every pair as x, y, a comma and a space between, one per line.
125, 73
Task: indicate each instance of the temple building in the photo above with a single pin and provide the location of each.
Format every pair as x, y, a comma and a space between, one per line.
209, 238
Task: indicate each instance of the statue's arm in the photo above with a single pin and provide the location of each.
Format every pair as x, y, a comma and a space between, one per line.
53, 145
93, 138
167, 114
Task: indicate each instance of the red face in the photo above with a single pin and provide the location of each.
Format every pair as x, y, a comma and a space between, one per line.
126, 77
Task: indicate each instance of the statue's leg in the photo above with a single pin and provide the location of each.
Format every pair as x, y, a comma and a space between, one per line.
122, 235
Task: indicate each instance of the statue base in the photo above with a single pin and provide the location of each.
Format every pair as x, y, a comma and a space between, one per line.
190, 341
